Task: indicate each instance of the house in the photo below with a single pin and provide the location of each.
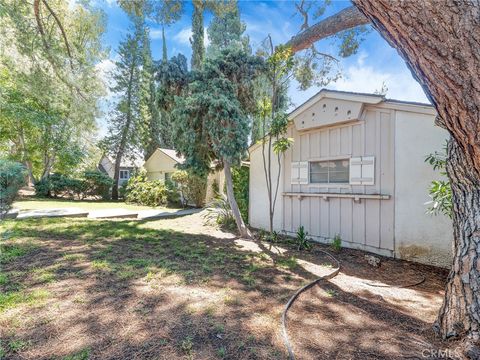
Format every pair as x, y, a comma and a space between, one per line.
163, 163
128, 166
357, 169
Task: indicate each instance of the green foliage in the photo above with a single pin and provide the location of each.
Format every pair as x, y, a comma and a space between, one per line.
12, 178
240, 177
92, 183
192, 187
173, 193
198, 48
97, 183
218, 212
301, 239
440, 191
336, 244
49, 87
143, 192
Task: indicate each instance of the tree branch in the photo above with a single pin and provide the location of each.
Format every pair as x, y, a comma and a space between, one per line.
346, 19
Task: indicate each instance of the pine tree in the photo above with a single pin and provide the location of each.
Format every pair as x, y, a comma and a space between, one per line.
212, 122
124, 122
198, 48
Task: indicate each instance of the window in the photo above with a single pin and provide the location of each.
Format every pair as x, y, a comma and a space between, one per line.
330, 172
124, 174
168, 176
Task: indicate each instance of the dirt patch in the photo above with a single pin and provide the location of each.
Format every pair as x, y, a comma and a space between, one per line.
177, 289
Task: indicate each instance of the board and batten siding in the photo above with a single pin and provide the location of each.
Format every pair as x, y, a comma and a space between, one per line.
362, 223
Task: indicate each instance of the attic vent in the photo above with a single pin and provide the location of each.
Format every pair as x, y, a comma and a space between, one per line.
313, 114
324, 107
349, 112
336, 108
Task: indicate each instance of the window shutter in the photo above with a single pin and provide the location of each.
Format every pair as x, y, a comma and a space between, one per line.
356, 171
303, 172
294, 173
299, 172
362, 170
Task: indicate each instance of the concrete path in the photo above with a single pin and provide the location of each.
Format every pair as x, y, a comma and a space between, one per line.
103, 214
67, 212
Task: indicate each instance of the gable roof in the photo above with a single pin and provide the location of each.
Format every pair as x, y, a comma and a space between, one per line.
133, 161
172, 154
353, 96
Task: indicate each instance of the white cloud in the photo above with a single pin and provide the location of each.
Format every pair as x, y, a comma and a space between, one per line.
365, 78
185, 34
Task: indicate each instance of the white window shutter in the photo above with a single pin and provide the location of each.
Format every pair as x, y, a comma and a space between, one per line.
303, 172
368, 170
356, 171
299, 172
295, 173
362, 170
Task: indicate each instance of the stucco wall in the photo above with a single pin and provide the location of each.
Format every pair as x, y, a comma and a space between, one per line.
418, 236
158, 164
258, 200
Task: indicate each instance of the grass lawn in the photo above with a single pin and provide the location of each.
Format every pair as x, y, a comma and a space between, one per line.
39, 203
178, 289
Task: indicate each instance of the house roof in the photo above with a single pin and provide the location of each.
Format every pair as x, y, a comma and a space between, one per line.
173, 154
131, 161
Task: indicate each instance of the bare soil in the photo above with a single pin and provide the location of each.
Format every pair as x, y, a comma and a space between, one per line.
179, 289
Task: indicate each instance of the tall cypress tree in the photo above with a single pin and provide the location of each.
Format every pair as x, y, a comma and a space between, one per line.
198, 48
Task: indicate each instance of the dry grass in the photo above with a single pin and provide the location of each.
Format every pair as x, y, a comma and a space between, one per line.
171, 289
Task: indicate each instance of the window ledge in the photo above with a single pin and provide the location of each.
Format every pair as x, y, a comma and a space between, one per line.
326, 196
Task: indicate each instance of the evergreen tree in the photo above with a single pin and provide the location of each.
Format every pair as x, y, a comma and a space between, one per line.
198, 48
172, 77
212, 122
226, 29
124, 122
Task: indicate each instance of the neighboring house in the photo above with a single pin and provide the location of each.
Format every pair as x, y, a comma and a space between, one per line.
357, 169
162, 164
127, 167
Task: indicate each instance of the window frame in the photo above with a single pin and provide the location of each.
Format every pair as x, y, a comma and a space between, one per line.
328, 183
120, 174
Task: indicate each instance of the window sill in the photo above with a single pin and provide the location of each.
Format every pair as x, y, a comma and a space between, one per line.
327, 196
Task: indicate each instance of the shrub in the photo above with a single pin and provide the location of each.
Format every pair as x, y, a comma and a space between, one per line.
218, 212
302, 241
143, 192
337, 243
60, 185
173, 194
193, 188
12, 178
240, 177
97, 183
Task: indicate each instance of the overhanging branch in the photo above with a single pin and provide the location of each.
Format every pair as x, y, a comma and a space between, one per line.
346, 19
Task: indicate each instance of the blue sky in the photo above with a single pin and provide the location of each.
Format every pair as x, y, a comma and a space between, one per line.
376, 62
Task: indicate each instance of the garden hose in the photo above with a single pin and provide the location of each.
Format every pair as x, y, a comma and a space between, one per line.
295, 296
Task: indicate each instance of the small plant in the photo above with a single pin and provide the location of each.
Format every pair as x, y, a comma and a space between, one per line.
187, 345
222, 352
337, 243
331, 293
302, 241
218, 211
273, 237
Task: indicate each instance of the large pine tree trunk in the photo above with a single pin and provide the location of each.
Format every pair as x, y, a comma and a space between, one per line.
460, 313
242, 228
440, 42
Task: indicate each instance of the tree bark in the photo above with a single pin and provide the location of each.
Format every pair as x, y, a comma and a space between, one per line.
242, 228
460, 312
343, 20
440, 42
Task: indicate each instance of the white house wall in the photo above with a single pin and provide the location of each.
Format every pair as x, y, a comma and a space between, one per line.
258, 197
158, 164
419, 237
366, 224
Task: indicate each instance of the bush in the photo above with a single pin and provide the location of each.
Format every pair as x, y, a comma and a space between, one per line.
173, 194
93, 183
143, 192
12, 178
301, 239
218, 212
98, 183
193, 188
240, 178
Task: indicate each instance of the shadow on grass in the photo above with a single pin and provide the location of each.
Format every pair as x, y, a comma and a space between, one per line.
118, 289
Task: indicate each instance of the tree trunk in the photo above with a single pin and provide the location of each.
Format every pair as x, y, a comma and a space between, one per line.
440, 41
460, 312
116, 177
242, 229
